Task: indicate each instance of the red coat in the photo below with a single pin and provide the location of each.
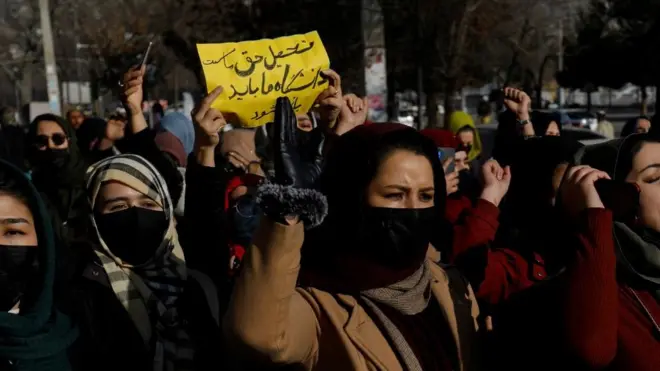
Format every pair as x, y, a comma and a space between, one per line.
607, 327
494, 273
584, 319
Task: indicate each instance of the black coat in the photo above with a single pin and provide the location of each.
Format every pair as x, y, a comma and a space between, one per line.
108, 338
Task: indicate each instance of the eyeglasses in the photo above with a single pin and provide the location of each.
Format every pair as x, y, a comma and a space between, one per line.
42, 140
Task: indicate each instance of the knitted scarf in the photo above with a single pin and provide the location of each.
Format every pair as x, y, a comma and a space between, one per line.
150, 292
410, 296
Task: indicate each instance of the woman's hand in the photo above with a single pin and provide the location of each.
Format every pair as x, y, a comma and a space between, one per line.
353, 113
496, 182
330, 100
451, 179
578, 191
133, 93
517, 101
208, 123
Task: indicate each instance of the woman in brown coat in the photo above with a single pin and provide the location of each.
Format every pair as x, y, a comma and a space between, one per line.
368, 298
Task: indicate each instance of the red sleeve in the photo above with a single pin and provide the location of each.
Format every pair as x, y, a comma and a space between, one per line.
590, 303
506, 273
455, 207
476, 227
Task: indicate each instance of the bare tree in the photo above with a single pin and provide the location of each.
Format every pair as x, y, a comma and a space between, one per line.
21, 36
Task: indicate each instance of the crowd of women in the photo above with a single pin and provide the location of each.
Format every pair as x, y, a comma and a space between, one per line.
322, 241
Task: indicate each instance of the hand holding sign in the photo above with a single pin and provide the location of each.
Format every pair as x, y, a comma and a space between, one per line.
208, 122
330, 100
353, 113
256, 73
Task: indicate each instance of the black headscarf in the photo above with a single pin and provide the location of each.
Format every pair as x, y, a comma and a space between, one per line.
542, 120
505, 137
529, 220
62, 180
631, 126
332, 250
638, 247
508, 134
39, 336
89, 135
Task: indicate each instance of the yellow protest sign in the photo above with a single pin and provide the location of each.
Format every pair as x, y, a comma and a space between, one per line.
255, 73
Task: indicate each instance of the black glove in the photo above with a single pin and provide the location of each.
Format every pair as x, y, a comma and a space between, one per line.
312, 159
290, 169
290, 191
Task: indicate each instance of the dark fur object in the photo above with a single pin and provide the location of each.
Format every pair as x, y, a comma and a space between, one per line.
278, 201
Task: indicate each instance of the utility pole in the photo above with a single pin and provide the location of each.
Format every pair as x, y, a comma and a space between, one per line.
49, 58
78, 72
560, 62
420, 61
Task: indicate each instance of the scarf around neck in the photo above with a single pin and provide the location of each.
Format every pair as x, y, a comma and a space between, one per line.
149, 293
409, 297
638, 247
641, 257
39, 336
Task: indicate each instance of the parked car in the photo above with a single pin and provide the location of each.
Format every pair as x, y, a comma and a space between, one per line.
584, 136
583, 120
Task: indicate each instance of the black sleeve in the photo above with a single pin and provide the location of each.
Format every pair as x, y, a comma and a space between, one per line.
143, 144
204, 242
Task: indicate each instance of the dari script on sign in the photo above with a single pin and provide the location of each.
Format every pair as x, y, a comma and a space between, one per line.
254, 74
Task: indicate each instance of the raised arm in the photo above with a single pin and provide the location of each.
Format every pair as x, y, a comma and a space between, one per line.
268, 321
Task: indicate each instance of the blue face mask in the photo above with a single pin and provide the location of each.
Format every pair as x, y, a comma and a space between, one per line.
245, 216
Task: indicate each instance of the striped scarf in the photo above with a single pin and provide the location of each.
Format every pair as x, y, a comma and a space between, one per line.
149, 292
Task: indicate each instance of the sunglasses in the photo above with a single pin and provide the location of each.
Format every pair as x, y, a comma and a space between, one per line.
41, 140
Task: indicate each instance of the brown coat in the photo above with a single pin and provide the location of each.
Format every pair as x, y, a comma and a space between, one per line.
270, 321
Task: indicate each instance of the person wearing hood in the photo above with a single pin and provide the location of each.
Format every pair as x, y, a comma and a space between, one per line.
75, 117
12, 138
176, 137
58, 171
135, 295
93, 139
361, 294
637, 125
34, 335
529, 218
546, 124
462, 125
605, 127
613, 289
473, 221
603, 310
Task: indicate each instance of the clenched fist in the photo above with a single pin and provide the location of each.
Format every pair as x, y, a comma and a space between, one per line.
496, 182
517, 101
578, 191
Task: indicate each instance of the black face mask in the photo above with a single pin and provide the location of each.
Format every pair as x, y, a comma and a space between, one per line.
245, 216
53, 159
134, 234
18, 266
398, 238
